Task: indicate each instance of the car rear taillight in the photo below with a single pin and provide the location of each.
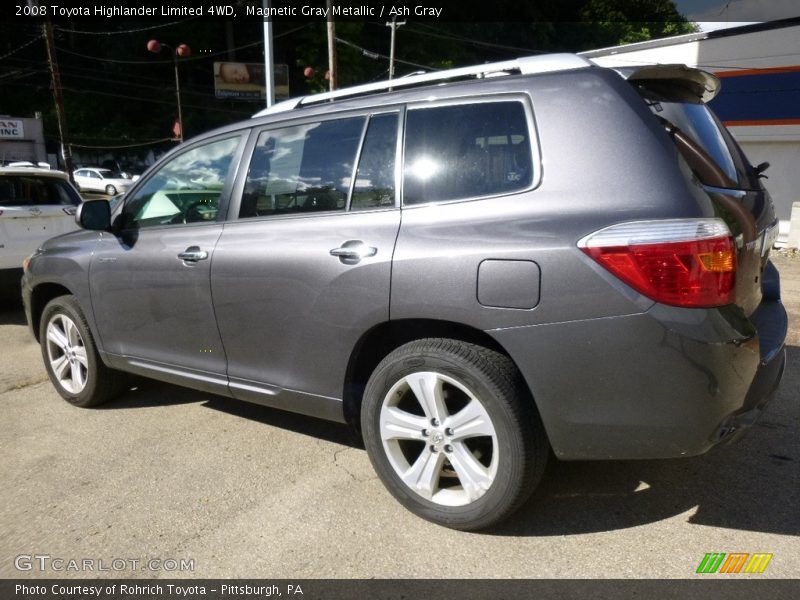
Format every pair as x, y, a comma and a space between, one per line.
681, 262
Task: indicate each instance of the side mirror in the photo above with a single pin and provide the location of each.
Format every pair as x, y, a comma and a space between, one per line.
94, 215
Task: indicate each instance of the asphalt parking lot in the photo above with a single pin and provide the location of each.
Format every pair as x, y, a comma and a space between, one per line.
237, 490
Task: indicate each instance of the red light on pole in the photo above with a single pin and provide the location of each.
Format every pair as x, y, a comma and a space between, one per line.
183, 51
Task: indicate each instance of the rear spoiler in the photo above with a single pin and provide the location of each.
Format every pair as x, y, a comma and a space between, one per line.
673, 83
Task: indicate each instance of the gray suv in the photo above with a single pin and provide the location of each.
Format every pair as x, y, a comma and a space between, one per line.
477, 269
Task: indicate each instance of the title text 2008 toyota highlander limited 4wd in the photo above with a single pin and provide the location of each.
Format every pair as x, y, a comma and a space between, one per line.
474, 270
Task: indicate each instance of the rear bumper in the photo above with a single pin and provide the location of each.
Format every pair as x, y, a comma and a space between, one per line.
772, 324
666, 383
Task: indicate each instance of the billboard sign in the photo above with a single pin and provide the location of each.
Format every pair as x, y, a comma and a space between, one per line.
247, 81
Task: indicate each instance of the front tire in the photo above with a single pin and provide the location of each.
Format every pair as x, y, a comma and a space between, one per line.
70, 356
111, 190
453, 433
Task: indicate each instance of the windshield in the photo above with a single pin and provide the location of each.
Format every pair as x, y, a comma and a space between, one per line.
109, 174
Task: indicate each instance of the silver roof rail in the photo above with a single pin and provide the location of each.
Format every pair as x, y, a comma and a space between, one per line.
545, 63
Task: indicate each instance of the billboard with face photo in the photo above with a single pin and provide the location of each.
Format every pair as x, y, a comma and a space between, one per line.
247, 81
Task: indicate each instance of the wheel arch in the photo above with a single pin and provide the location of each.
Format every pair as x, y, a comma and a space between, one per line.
375, 344
40, 296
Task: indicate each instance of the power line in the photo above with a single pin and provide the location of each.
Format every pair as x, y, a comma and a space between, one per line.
151, 62
157, 83
142, 99
72, 68
64, 30
150, 143
191, 58
25, 45
472, 41
377, 55
141, 86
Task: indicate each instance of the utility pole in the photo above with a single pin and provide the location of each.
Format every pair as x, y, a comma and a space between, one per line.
55, 75
269, 61
155, 47
394, 25
331, 48
178, 96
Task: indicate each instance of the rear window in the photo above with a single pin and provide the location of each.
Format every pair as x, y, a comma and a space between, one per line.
466, 151
30, 190
700, 123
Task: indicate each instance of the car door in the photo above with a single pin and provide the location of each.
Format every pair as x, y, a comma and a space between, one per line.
302, 269
93, 181
79, 177
150, 279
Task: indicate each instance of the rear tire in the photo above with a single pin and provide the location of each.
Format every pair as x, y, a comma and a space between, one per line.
453, 433
70, 356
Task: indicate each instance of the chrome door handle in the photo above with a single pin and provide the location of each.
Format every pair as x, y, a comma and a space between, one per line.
193, 254
354, 251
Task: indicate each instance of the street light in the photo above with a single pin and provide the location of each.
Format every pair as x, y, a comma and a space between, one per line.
182, 50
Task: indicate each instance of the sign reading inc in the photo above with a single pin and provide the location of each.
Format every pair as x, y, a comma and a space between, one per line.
11, 128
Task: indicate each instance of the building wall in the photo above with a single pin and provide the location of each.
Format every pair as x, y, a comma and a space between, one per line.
22, 143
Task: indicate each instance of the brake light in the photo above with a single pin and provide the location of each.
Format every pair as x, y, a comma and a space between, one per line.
685, 262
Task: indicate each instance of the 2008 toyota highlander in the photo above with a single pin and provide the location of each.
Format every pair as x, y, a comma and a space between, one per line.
476, 268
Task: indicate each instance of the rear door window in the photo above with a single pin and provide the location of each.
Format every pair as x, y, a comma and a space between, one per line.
302, 169
466, 151
374, 187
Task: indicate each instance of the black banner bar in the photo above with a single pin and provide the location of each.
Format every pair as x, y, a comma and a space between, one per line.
710, 588
112, 11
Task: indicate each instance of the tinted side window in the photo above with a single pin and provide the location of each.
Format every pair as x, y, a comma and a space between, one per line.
375, 178
306, 168
464, 151
186, 189
23, 190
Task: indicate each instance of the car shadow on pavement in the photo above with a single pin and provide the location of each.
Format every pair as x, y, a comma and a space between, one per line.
752, 484
146, 393
338, 433
11, 314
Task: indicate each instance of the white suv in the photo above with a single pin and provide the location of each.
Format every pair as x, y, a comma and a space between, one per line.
35, 204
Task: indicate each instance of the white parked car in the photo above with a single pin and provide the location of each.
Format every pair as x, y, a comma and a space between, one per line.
35, 205
101, 180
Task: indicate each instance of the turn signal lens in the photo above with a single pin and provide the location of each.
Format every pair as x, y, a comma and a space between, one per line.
719, 262
687, 262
